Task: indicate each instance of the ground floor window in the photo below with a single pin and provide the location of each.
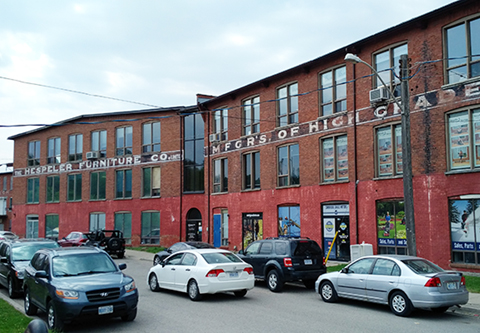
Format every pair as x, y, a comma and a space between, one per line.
465, 230
391, 229
51, 226
32, 226
151, 227
97, 221
123, 222
252, 228
289, 221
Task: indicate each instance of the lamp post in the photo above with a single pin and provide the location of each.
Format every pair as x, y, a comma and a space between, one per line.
406, 145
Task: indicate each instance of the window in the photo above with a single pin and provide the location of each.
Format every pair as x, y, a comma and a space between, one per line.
220, 175
151, 182
151, 227
32, 226
98, 185
287, 104
32, 190
194, 153
333, 91
251, 116
463, 51
5, 180
75, 147
124, 141
224, 228
151, 137
33, 153
74, 187
53, 151
97, 221
99, 142
288, 165
334, 158
53, 189
123, 184
51, 226
464, 139
384, 62
220, 124
391, 227
389, 151
289, 221
464, 225
251, 170
123, 222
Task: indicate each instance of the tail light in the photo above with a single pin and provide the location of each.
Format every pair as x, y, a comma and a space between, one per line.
462, 281
287, 262
249, 270
324, 263
214, 273
434, 282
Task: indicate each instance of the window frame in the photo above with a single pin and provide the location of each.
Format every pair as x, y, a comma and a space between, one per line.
76, 178
123, 184
34, 192
33, 155
220, 123
152, 226
54, 150
254, 165
151, 145
396, 151
99, 183
52, 189
220, 175
289, 98
124, 144
55, 222
289, 175
334, 87
251, 107
124, 224
154, 190
336, 160
99, 144
75, 148
393, 81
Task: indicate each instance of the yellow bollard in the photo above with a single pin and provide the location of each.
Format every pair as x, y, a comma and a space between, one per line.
331, 246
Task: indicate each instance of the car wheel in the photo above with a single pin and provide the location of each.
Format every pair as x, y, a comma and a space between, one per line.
130, 316
440, 310
328, 292
193, 291
53, 321
153, 282
11, 288
309, 284
240, 293
156, 260
29, 308
400, 304
120, 255
114, 244
274, 281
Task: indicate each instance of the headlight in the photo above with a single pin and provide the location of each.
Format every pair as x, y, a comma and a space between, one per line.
130, 287
19, 274
68, 294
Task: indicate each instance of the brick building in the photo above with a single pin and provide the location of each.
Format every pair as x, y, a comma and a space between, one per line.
300, 153
6, 187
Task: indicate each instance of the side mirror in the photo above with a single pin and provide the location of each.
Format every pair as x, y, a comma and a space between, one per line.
3, 260
41, 274
169, 250
344, 270
122, 266
241, 252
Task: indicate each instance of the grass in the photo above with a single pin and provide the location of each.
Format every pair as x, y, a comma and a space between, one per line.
12, 320
150, 249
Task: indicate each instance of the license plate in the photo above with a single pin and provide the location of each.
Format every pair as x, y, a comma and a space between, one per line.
234, 274
451, 285
308, 261
105, 309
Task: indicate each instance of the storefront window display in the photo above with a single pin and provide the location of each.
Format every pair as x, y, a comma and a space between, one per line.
465, 230
289, 221
391, 228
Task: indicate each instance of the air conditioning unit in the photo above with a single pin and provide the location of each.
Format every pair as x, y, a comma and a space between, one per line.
92, 155
215, 137
379, 95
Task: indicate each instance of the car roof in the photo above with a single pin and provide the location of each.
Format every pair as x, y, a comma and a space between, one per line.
65, 251
394, 256
201, 251
18, 242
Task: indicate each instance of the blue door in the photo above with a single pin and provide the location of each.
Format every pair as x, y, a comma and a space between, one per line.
217, 230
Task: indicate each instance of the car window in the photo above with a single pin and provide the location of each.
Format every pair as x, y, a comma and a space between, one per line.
37, 261
25, 252
253, 248
177, 247
384, 267
220, 257
421, 266
361, 266
281, 248
82, 264
266, 248
175, 259
305, 247
189, 259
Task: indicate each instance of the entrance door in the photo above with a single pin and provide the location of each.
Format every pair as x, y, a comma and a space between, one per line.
252, 228
336, 220
194, 225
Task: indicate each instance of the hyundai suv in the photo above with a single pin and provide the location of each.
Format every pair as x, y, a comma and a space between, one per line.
280, 260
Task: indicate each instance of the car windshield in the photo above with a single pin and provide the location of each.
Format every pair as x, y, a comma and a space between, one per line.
82, 264
220, 257
25, 252
302, 248
420, 266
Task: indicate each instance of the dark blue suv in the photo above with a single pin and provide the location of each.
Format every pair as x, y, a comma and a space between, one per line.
72, 283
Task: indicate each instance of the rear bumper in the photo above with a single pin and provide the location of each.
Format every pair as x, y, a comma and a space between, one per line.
436, 299
217, 286
294, 275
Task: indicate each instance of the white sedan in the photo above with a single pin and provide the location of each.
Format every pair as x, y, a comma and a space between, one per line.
202, 271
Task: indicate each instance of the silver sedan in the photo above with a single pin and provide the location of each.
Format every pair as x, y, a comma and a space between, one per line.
402, 282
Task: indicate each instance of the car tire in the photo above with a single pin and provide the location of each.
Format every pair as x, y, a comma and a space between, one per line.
440, 310
121, 255
53, 321
193, 291
156, 260
11, 288
400, 304
114, 244
240, 293
153, 282
274, 281
328, 292
309, 283
130, 316
29, 308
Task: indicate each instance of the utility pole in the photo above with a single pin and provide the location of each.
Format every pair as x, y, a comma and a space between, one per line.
407, 158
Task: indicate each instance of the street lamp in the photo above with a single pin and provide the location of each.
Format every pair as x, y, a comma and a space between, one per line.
406, 145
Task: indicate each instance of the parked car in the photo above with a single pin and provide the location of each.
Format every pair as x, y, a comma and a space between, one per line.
159, 256
14, 257
7, 235
75, 238
402, 282
76, 282
202, 271
280, 260
111, 241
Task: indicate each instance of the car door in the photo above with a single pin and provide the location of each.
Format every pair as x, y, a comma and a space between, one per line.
249, 256
384, 278
352, 281
38, 284
185, 270
4, 263
167, 271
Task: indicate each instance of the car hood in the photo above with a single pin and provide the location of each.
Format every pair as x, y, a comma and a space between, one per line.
20, 264
93, 281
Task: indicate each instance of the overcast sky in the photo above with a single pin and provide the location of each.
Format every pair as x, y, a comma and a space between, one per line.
164, 52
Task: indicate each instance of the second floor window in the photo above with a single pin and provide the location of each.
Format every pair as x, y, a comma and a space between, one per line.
220, 175
75, 147
74, 187
151, 182
464, 139
384, 62
220, 124
33, 190
53, 151
53, 189
33, 153
98, 182
287, 104
334, 155
333, 91
251, 171
251, 115
389, 151
99, 142
151, 137
123, 184
288, 165
194, 153
124, 141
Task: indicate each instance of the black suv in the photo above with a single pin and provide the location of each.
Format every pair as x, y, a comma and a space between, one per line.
14, 257
111, 241
280, 260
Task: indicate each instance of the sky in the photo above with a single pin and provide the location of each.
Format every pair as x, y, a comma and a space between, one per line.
58, 56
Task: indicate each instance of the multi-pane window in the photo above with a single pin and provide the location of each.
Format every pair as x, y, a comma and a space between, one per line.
33, 190
75, 147
97, 221
5, 180
391, 227
124, 141
99, 142
251, 115
53, 151
224, 227
251, 170
289, 221
463, 51
333, 91
123, 222
389, 151
334, 158
74, 187
53, 189
151, 182
287, 104
98, 182
464, 139
51, 226
31, 230
33, 153
220, 175
288, 165
194, 153
151, 137
387, 64
220, 124
123, 181
151, 227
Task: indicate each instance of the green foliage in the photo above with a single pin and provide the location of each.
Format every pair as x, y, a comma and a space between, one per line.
472, 283
12, 321
150, 249
335, 268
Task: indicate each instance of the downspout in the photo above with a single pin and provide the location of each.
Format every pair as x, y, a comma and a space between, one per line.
208, 174
355, 152
181, 165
